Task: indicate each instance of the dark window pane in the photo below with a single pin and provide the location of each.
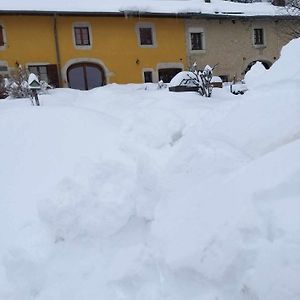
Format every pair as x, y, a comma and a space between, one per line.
40, 72
148, 76
258, 36
52, 73
3, 69
197, 40
33, 69
146, 36
225, 78
94, 77
1, 36
166, 75
85, 76
76, 78
42, 69
82, 37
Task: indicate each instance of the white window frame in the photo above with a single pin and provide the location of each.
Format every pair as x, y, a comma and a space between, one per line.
82, 24
264, 37
196, 30
2, 48
146, 25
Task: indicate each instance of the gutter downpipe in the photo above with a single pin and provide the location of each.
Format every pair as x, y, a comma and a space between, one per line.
57, 52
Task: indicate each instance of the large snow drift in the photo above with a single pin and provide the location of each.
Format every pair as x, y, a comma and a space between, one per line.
132, 193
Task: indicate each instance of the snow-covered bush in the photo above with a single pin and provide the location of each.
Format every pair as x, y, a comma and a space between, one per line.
3, 93
16, 86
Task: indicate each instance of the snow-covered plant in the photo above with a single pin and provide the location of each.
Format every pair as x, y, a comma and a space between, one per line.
16, 85
3, 93
161, 85
202, 79
44, 87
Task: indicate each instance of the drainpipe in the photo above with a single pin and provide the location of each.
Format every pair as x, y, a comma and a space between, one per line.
57, 52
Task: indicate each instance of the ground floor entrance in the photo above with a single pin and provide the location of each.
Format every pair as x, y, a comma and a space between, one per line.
85, 76
167, 74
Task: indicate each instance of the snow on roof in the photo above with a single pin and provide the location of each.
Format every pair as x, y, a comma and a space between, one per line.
216, 7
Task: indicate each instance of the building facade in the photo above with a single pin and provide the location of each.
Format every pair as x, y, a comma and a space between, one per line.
234, 44
82, 51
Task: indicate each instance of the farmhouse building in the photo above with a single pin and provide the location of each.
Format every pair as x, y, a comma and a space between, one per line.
90, 44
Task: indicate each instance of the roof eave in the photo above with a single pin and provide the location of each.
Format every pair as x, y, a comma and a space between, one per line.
185, 15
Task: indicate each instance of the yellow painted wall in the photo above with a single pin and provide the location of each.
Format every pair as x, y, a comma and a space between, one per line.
114, 42
29, 39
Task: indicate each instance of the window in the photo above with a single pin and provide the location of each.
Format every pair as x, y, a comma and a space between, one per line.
82, 36
40, 71
148, 76
258, 36
85, 76
3, 42
196, 40
225, 78
3, 69
46, 73
146, 35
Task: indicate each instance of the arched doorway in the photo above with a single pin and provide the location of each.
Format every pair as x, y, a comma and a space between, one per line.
85, 76
265, 63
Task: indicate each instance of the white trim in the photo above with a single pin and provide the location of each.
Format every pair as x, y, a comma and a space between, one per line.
146, 25
264, 37
2, 48
73, 61
36, 64
169, 65
154, 79
196, 30
82, 24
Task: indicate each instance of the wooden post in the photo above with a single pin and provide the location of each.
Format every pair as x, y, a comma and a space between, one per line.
36, 97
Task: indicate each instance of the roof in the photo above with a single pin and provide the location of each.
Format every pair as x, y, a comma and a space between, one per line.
217, 8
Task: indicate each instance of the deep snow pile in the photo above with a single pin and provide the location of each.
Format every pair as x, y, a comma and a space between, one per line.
127, 192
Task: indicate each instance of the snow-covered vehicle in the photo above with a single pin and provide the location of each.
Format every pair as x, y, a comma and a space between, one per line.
193, 81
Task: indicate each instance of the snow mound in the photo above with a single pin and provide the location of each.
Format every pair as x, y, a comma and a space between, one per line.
182, 78
284, 70
252, 76
126, 193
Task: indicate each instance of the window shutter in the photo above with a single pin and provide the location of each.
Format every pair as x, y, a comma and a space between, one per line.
53, 75
1, 36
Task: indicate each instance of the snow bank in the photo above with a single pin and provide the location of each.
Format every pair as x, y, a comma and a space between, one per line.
132, 193
283, 71
254, 75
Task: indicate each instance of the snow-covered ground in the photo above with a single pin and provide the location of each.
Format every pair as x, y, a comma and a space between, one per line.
132, 192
